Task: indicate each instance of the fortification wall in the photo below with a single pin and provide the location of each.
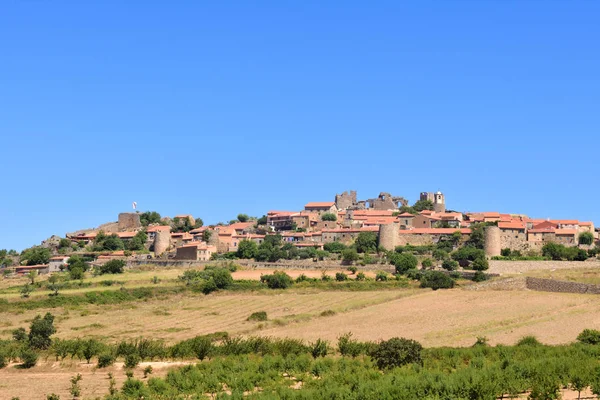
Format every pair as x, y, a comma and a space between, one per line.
519, 242
551, 285
162, 242
492, 241
129, 221
388, 236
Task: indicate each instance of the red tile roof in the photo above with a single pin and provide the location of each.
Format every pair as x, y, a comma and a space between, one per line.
157, 228
319, 204
434, 231
570, 232
511, 225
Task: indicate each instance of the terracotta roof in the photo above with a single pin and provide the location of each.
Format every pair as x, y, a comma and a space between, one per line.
38, 266
157, 228
511, 225
346, 230
542, 230
434, 231
199, 245
406, 214
319, 204
59, 257
585, 224
126, 235
568, 222
372, 213
248, 236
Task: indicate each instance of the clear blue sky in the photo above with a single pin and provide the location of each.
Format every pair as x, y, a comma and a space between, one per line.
216, 108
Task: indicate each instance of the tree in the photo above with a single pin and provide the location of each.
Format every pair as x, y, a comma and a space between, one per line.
64, 243
397, 352
468, 253
112, 267
206, 235
243, 217
138, 242
198, 223
366, 242
247, 249
477, 236
32, 275
480, 264
28, 358
404, 262
36, 255
277, 280
450, 265
334, 247
76, 262
349, 256
328, 217
436, 280
222, 278
90, 348
423, 205
150, 217
76, 273
40, 331
26, 290
53, 285
262, 220
427, 263
586, 238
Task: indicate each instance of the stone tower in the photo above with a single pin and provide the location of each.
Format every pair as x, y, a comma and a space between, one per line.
439, 203
345, 200
492, 241
388, 235
162, 241
129, 221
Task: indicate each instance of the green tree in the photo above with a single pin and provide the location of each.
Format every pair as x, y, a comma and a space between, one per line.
397, 352
427, 263
36, 255
112, 267
32, 275
262, 220
247, 249
423, 205
436, 280
328, 217
366, 242
586, 238
138, 242
40, 331
349, 256
450, 265
243, 217
404, 262
26, 290
477, 236
277, 280
150, 217
480, 264
334, 247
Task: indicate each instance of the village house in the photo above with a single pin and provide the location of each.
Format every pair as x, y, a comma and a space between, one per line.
25, 269
57, 263
321, 207
195, 251
280, 220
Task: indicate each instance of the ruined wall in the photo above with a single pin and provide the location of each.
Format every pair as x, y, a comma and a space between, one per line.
517, 267
345, 200
129, 221
550, 285
492, 241
162, 241
386, 201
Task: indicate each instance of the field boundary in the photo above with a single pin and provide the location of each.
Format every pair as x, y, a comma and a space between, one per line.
551, 285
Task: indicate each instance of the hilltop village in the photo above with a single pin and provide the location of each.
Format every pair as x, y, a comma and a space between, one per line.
388, 218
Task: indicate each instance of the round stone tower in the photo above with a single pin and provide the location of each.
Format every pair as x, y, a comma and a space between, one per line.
492, 241
388, 235
162, 241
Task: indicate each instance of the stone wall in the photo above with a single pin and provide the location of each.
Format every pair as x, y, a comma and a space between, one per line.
492, 241
550, 285
345, 200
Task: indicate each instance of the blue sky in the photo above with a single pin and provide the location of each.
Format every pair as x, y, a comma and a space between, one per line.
217, 108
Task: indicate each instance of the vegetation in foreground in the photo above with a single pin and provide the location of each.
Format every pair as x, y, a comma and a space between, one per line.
267, 368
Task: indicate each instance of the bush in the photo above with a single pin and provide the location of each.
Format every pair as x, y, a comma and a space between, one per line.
352, 269
468, 253
381, 276
349, 256
414, 274
29, 358
366, 242
112, 267
105, 360
328, 217
405, 262
340, 276
360, 276
589, 336
132, 360
479, 276
397, 352
586, 238
436, 280
480, 264
319, 348
277, 280
258, 316
3, 362
528, 341
334, 247
427, 263
40, 331
222, 277
439, 254
450, 265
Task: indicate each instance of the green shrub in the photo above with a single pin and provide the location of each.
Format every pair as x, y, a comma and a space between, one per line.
436, 280
479, 276
381, 276
589, 336
349, 256
29, 358
352, 269
360, 276
413, 274
258, 316
427, 263
480, 264
112, 267
397, 352
334, 247
319, 348
3, 362
528, 341
340, 276
105, 360
132, 360
277, 280
404, 262
450, 265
